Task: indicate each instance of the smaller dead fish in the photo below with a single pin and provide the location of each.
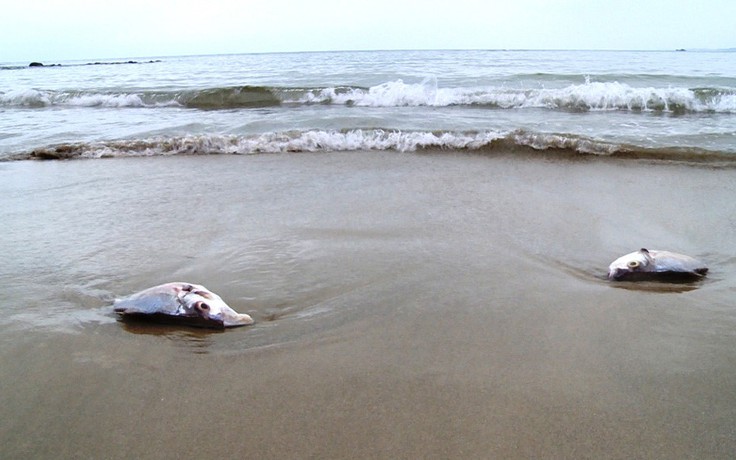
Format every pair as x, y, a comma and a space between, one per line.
645, 265
181, 303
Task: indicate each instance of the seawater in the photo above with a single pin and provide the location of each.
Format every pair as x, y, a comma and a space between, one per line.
678, 105
407, 305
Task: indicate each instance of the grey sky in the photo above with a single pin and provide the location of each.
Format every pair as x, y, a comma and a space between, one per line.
52, 30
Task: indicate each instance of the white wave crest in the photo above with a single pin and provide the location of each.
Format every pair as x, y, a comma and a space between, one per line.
313, 141
589, 96
307, 141
298, 141
546, 141
725, 103
106, 100
390, 94
328, 141
41, 98
26, 98
613, 96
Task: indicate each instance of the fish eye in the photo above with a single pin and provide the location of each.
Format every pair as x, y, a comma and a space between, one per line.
633, 264
202, 306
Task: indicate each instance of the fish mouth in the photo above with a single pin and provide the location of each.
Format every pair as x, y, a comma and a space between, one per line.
235, 319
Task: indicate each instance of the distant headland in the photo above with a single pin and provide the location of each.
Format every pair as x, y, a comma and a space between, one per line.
41, 64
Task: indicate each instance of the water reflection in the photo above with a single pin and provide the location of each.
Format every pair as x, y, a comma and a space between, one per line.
656, 286
197, 340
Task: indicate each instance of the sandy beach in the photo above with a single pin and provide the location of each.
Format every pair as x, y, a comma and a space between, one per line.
407, 305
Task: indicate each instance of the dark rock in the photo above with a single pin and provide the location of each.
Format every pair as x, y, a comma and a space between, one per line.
41, 64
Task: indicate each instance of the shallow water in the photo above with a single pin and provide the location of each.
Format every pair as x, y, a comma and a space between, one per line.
407, 305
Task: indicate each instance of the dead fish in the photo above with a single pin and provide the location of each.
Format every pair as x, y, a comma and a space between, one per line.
181, 303
645, 265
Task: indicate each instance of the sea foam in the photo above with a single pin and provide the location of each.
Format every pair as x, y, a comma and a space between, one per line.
486, 142
327, 141
587, 96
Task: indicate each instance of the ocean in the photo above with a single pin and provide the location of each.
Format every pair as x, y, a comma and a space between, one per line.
678, 105
422, 239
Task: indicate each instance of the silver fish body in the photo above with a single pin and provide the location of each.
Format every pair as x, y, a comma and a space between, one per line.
656, 265
182, 303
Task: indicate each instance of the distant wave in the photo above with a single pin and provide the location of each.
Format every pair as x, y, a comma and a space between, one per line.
33, 98
588, 96
559, 145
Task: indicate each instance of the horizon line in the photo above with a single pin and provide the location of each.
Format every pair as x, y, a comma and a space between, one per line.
236, 53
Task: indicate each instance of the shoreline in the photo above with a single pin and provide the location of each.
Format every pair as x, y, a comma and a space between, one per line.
484, 143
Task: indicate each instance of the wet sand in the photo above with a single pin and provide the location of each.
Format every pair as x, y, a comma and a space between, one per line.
432, 305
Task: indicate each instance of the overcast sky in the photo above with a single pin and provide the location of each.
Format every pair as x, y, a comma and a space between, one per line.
55, 30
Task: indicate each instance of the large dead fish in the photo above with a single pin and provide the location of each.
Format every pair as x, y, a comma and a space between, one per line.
181, 303
645, 265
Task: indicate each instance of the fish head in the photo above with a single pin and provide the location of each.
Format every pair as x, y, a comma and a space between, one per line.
631, 265
197, 300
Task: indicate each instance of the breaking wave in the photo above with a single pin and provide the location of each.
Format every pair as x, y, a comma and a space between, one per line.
372, 140
32, 98
587, 96
584, 97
